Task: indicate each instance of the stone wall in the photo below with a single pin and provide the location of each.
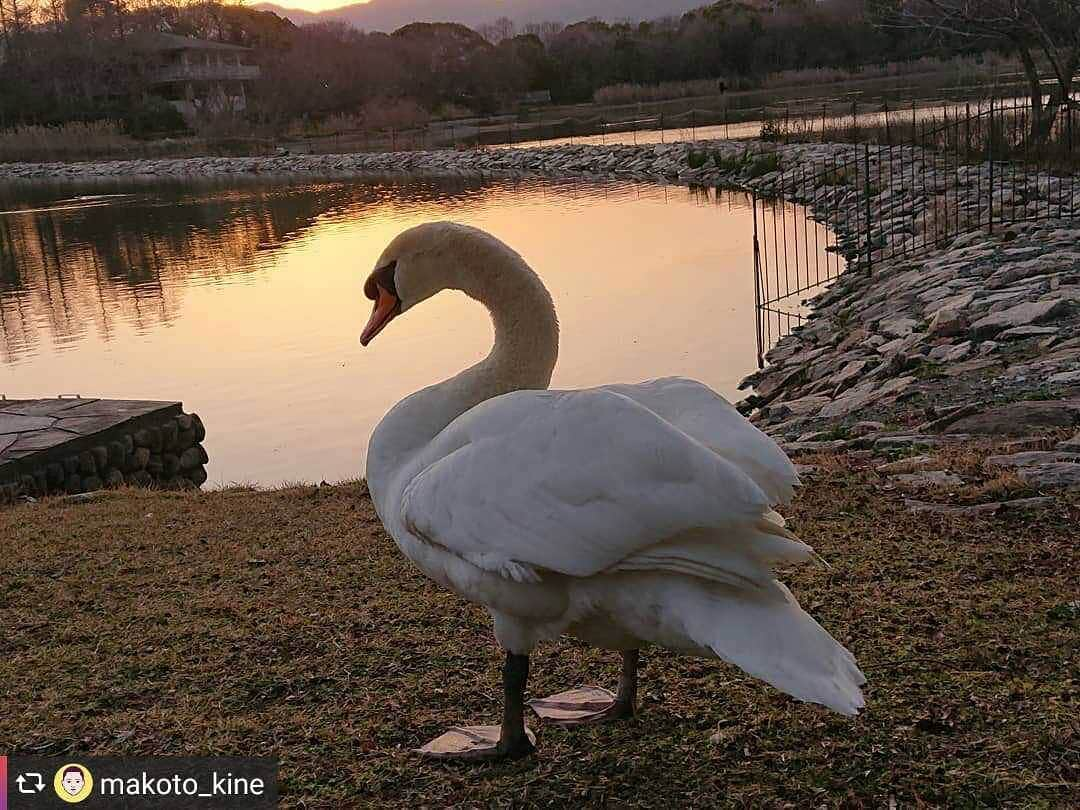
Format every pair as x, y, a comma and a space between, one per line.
163, 451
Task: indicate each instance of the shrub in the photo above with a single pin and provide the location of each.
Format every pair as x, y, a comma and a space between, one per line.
764, 163
731, 164
151, 116
695, 158
770, 130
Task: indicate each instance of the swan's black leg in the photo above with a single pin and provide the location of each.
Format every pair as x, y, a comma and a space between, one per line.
626, 700
513, 742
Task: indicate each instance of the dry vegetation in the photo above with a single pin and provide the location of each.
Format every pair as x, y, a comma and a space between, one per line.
106, 140
286, 624
73, 140
376, 115
943, 72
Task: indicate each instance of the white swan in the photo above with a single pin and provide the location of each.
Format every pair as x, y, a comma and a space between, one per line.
625, 515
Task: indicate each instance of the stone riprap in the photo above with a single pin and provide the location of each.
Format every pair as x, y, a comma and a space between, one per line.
934, 344
666, 162
70, 446
978, 341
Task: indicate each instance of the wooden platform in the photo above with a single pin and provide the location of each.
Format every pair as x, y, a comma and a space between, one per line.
55, 441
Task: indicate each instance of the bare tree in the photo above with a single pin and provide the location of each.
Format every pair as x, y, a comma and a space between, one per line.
545, 31
495, 32
1034, 29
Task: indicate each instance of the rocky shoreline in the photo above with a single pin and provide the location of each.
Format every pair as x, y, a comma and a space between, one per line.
975, 338
654, 162
973, 344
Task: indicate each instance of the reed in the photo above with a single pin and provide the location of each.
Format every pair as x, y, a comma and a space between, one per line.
75, 139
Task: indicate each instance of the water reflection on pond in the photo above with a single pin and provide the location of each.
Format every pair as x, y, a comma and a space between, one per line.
245, 300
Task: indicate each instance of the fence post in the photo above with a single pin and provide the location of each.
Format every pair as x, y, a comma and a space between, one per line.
967, 133
661, 117
990, 158
854, 120
888, 139
1069, 127
824, 112
866, 194
757, 285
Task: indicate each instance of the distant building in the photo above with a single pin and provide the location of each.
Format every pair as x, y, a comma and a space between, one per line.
197, 76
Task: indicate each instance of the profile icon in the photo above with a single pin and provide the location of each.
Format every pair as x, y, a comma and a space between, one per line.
73, 782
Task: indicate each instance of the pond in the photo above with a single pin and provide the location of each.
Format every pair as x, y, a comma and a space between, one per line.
245, 301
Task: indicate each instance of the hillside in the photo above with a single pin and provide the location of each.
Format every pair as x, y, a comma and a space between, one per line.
388, 15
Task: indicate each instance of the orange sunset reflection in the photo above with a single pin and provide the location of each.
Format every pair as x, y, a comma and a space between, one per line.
246, 302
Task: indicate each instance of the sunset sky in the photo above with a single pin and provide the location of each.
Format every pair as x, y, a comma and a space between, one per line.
309, 5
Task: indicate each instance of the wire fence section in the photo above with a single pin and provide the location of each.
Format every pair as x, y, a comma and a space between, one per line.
981, 168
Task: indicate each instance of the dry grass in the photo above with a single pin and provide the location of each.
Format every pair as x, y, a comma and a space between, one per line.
376, 115
953, 71
286, 624
74, 139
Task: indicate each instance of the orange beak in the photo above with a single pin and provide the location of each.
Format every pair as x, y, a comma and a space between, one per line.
387, 307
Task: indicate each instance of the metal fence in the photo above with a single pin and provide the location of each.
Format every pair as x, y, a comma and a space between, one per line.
982, 167
827, 119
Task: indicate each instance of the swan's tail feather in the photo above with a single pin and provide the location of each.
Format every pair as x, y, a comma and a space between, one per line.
777, 641
765, 634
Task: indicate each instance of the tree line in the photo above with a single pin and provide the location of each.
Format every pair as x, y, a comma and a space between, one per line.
76, 59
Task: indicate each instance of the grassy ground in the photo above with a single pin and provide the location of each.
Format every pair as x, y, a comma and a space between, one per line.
286, 624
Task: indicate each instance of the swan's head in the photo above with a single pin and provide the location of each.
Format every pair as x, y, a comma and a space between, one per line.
425, 260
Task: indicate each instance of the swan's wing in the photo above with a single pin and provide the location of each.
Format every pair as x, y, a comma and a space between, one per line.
582, 482
702, 413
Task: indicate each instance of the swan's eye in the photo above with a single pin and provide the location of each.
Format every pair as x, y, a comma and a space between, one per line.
383, 277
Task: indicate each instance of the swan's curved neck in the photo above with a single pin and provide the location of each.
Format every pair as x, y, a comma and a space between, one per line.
523, 357
526, 333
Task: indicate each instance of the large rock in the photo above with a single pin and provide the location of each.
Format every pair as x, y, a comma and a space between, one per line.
1025, 332
948, 323
949, 353
848, 375
865, 394
897, 327
927, 479
804, 406
1019, 315
1047, 263
1018, 418
1033, 458
1065, 378
1059, 475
